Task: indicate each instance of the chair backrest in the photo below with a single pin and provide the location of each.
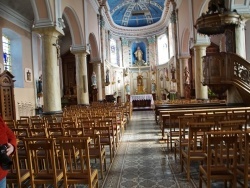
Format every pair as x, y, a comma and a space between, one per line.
38, 132
197, 135
22, 125
73, 131
10, 123
54, 125
75, 159
22, 121
55, 132
232, 125
223, 148
66, 124
42, 160
40, 124
88, 126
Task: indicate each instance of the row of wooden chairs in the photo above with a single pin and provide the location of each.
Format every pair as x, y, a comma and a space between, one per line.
195, 146
171, 122
59, 168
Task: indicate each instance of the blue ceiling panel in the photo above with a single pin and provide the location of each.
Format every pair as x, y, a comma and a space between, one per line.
136, 13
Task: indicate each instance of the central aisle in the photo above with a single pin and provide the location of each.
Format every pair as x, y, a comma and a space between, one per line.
141, 160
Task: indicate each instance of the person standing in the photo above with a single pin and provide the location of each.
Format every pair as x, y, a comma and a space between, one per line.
8, 139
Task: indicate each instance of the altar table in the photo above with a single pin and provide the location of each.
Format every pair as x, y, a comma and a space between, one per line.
144, 100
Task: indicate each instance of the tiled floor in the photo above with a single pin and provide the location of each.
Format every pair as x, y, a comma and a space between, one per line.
142, 160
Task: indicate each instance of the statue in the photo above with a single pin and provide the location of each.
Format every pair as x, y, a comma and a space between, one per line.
216, 6
173, 72
139, 54
186, 75
107, 76
93, 79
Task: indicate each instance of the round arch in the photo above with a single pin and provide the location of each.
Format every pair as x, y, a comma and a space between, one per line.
185, 42
74, 27
94, 53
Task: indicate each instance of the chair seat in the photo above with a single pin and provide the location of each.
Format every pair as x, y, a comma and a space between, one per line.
43, 174
81, 174
24, 174
195, 155
241, 168
219, 171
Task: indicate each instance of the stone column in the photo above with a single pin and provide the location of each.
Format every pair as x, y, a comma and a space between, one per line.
240, 38
97, 70
183, 63
201, 91
50, 71
81, 77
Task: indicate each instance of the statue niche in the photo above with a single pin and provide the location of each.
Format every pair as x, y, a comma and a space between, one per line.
139, 57
140, 84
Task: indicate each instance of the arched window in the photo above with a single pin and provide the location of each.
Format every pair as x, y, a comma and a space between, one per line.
113, 54
12, 46
6, 53
163, 52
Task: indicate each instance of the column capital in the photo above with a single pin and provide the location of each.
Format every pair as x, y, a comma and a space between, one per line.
54, 31
96, 61
184, 56
200, 45
80, 49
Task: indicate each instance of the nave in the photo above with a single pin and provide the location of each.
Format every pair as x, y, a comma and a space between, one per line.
142, 160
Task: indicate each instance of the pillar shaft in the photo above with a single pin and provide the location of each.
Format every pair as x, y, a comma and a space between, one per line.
97, 70
50, 72
183, 63
82, 78
200, 90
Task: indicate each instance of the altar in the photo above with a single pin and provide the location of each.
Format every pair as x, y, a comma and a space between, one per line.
142, 101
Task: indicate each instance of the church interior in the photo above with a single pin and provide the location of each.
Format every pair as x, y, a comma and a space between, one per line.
143, 57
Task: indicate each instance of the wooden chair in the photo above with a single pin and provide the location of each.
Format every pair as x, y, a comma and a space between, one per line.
107, 138
117, 127
197, 145
220, 165
42, 160
21, 134
88, 126
96, 151
19, 172
76, 169
243, 166
182, 142
173, 129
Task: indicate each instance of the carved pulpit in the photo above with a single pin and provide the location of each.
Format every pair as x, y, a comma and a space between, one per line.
7, 101
139, 84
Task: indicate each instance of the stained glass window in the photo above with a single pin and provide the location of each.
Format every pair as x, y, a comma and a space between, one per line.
6, 53
113, 54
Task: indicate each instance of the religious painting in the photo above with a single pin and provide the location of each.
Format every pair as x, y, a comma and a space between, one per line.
28, 75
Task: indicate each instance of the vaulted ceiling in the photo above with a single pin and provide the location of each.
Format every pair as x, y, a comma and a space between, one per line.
135, 13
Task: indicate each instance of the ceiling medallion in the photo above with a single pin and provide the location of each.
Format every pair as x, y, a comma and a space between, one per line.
216, 19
